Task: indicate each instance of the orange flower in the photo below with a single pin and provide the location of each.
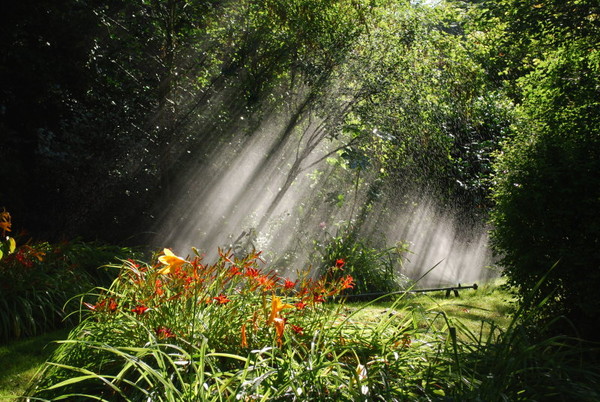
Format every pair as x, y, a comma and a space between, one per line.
5, 222
279, 327
222, 299
158, 290
252, 272
140, 309
266, 282
102, 306
276, 307
164, 333
339, 263
171, 261
347, 282
234, 271
112, 304
244, 342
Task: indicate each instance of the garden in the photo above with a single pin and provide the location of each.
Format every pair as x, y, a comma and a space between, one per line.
175, 328
300, 200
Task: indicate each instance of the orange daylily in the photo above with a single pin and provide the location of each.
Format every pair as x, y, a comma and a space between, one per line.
347, 282
37, 254
171, 261
279, 327
222, 299
244, 342
5, 222
276, 307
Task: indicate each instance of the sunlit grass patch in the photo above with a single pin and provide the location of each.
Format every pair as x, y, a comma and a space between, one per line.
490, 305
20, 361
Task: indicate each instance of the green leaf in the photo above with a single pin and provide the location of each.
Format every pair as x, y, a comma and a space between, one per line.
12, 245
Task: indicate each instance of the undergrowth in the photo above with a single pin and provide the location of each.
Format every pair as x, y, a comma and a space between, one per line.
179, 330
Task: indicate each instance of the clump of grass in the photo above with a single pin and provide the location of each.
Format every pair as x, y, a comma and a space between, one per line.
161, 327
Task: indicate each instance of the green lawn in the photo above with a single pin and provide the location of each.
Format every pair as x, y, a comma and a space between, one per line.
20, 360
489, 304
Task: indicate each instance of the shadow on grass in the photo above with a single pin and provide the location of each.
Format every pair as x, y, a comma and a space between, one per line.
20, 360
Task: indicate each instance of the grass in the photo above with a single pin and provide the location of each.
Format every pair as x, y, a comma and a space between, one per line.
490, 303
20, 360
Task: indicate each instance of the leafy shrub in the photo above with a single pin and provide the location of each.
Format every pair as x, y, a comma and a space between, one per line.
547, 190
159, 328
38, 279
375, 271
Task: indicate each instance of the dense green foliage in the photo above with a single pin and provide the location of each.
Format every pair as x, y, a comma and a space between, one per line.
547, 185
140, 90
374, 270
40, 279
107, 98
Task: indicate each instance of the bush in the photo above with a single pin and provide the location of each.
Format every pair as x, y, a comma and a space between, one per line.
38, 279
177, 330
375, 271
547, 190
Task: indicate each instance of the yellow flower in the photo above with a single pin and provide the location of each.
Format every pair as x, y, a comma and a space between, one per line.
276, 307
171, 261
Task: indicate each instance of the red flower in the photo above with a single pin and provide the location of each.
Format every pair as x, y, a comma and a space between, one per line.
140, 309
112, 305
222, 299
339, 263
347, 282
252, 272
289, 284
318, 299
300, 305
164, 332
22, 258
297, 329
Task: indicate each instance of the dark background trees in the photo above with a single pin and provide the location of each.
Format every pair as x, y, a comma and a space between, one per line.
101, 101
